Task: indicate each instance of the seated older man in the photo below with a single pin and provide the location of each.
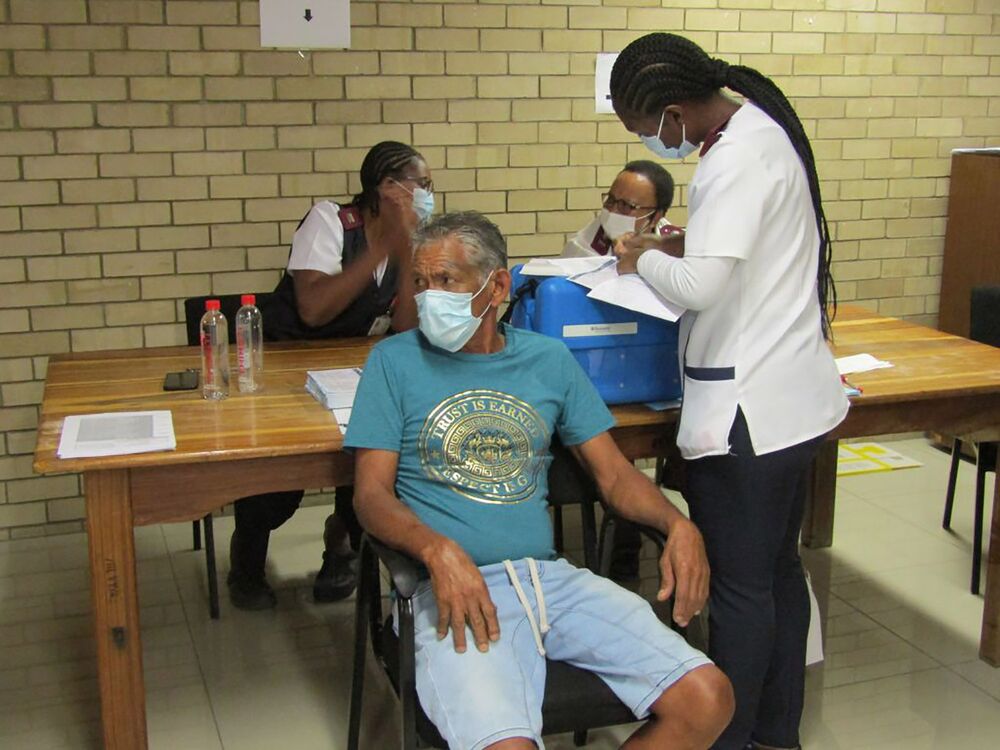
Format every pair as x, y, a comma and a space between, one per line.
451, 426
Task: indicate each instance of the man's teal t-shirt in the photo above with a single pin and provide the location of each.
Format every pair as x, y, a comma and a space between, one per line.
472, 432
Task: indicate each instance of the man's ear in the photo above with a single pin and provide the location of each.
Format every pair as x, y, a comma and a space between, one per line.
501, 287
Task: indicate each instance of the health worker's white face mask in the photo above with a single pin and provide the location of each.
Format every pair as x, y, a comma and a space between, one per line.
423, 201
615, 225
446, 318
658, 147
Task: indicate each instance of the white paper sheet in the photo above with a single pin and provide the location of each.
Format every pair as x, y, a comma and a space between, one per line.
860, 363
563, 266
116, 434
594, 277
632, 293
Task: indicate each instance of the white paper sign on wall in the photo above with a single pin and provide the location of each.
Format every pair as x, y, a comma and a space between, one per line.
305, 24
602, 82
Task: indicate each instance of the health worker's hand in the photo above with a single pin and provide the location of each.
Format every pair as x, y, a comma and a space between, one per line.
628, 248
397, 220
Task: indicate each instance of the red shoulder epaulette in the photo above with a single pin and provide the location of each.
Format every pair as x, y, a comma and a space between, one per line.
713, 137
350, 217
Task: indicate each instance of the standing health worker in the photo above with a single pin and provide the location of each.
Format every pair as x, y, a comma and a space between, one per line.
761, 389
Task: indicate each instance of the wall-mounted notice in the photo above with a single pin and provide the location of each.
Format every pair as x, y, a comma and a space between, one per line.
602, 82
305, 24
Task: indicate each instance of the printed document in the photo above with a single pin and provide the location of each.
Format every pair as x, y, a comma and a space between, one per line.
116, 434
629, 291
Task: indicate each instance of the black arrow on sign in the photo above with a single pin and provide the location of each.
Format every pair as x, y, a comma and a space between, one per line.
309, 14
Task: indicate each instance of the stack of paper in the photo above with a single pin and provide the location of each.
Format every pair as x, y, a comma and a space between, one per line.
335, 389
116, 434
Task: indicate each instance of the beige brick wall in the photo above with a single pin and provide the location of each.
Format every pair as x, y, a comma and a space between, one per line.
150, 150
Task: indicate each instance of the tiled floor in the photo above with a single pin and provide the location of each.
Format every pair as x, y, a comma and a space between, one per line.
900, 627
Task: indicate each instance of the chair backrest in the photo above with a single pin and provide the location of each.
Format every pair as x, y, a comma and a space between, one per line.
984, 314
194, 308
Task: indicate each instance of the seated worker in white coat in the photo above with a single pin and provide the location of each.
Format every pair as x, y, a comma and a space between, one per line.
451, 426
636, 202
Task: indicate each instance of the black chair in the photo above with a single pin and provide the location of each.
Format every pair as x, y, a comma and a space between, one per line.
575, 700
984, 326
194, 308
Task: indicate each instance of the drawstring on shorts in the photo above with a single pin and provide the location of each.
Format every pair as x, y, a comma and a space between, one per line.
538, 629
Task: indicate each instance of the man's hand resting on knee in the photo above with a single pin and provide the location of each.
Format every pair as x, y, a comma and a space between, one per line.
462, 596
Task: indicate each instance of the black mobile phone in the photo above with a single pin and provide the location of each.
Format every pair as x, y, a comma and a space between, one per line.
185, 380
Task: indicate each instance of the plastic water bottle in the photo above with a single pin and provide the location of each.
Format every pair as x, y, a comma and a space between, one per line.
214, 353
249, 345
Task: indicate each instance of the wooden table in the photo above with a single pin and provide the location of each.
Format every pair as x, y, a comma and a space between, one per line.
282, 439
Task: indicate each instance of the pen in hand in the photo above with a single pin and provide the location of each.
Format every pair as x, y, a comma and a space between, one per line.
852, 390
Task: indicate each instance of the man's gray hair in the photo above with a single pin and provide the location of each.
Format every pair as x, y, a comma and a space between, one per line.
485, 247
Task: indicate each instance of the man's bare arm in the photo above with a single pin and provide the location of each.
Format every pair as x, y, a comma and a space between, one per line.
683, 565
459, 588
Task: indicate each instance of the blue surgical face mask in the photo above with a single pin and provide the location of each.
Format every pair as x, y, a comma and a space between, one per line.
423, 201
654, 144
446, 318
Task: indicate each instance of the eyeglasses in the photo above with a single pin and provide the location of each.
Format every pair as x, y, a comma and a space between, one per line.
622, 206
424, 182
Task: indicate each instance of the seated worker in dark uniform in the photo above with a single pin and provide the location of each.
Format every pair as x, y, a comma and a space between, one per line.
348, 275
637, 202
452, 426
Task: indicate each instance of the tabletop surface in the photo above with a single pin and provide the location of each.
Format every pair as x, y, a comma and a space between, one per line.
284, 419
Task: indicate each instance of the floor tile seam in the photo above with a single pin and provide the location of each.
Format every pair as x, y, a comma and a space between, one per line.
873, 571
878, 624
190, 631
867, 680
980, 688
905, 519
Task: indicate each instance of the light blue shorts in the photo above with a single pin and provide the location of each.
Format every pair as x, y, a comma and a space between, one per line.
476, 699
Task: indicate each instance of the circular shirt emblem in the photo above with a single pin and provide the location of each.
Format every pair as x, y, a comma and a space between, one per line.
481, 443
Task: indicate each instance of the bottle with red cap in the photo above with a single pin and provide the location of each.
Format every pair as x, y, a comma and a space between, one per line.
214, 353
249, 345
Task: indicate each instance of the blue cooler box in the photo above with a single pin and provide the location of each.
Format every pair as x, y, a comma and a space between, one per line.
628, 356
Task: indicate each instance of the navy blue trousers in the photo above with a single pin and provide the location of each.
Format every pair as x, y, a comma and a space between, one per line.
749, 510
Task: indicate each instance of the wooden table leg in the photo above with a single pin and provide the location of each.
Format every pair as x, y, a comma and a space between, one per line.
989, 640
817, 522
116, 609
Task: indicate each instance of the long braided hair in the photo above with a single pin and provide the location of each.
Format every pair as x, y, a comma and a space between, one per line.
660, 69
385, 159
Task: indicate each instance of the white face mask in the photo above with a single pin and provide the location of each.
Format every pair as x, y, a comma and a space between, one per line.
446, 318
423, 201
615, 225
654, 144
